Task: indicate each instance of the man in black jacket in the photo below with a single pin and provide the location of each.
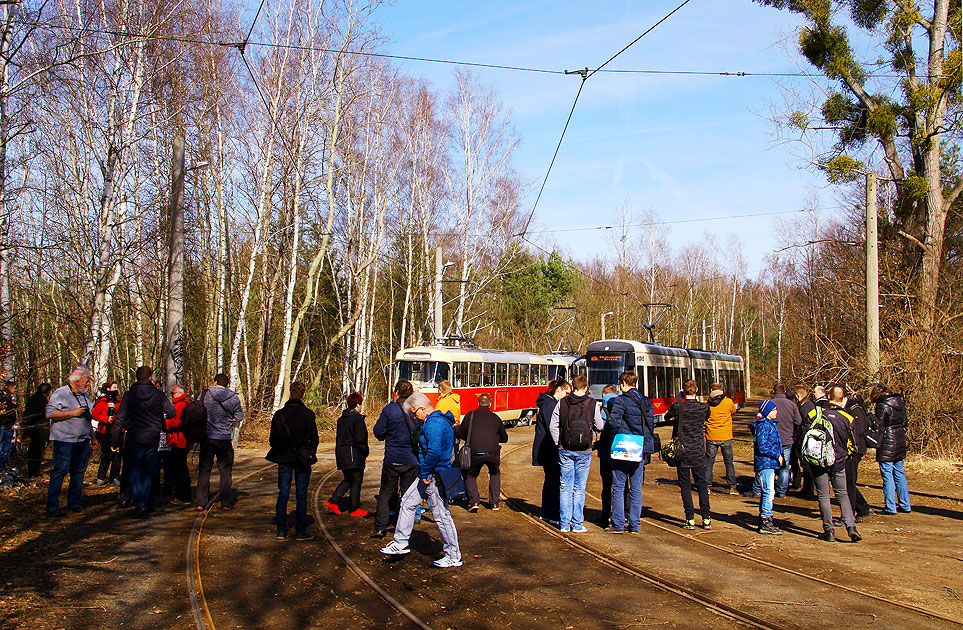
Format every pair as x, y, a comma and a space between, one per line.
484, 434
854, 407
143, 412
400, 467
294, 443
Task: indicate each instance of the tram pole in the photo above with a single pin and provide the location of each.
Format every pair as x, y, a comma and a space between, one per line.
439, 271
872, 279
174, 329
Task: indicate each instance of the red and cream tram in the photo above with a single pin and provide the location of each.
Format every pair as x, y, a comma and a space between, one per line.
512, 379
662, 370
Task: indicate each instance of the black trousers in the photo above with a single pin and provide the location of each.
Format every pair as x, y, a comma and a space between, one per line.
109, 461
493, 462
177, 476
352, 481
605, 469
698, 478
856, 499
392, 476
223, 451
36, 449
551, 489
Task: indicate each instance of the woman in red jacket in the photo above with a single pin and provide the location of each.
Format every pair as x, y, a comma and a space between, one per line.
177, 476
103, 413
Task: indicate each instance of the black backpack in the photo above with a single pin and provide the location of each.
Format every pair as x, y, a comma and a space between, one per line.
194, 421
576, 424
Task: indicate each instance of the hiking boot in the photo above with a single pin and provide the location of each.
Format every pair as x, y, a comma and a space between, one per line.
379, 533
394, 548
359, 513
707, 523
59, 512
853, 534
612, 529
766, 527
446, 562
304, 536
749, 494
689, 524
333, 507
828, 535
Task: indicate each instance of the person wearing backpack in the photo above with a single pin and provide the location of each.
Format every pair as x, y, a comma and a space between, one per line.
890, 413
177, 475
223, 409
768, 457
853, 405
632, 414
691, 415
399, 469
835, 473
572, 424
350, 452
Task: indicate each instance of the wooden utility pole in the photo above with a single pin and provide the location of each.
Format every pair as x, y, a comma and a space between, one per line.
174, 331
872, 280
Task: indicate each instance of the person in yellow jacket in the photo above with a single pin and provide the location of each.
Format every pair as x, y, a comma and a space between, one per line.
719, 435
448, 401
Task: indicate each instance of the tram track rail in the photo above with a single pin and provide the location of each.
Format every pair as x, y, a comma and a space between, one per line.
724, 609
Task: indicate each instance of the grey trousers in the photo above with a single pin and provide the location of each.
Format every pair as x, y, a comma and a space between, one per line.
412, 498
822, 477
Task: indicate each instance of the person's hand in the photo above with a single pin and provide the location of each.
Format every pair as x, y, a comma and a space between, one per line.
427, 480
79, 411
114, 449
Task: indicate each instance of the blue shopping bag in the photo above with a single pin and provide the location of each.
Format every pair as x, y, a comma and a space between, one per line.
627, 447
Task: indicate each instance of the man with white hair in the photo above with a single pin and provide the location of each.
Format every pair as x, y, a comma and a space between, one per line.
72, 437
436, 442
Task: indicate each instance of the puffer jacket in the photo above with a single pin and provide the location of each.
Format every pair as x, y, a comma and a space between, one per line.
223, 408
891, 419
105, 420
632, 413
719, 425
351, 442
690, 429
766, 445
394, 428
294, 427
175, 436
451, 404
437, 443
544, 450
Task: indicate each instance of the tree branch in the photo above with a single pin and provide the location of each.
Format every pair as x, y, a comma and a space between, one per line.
911, 10
952, 195
921, 244
889, 144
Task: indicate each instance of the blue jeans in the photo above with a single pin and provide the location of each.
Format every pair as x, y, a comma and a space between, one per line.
766, 479
301, 480
575, 471
6, 444
72, 458
142, 462
782, 481
633, 473
894, 485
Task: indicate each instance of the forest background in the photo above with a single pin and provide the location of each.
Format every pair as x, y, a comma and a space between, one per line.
321, 179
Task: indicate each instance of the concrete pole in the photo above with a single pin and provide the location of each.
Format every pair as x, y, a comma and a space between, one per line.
439, 270
872, 279
604, 315
748, 371
174, 331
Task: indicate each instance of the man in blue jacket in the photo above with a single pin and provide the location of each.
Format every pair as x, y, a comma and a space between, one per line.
632, 414
436, 442
400, 467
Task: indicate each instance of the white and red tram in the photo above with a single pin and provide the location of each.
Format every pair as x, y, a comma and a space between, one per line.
662, 370
512, 379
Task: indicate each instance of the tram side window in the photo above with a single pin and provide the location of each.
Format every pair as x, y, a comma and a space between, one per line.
513, 374
474, 374
543, 375
501, 374
676, 386
556, 372
459, 374
653, 391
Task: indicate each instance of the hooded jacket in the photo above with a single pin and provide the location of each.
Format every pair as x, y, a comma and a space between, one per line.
690, 429
143, 412
450, 403
394, 427
766, 444
105, 420
351, 442
891, 419
293, 426
175, 436
788, 419
437, 441
854, 407
632, 413
842, 429
544, 450
561, 414
223, 408
719, 424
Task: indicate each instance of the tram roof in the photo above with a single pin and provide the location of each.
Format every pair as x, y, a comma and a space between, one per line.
630, 345
445, 353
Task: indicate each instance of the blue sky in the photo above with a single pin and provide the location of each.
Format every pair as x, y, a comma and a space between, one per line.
685, 147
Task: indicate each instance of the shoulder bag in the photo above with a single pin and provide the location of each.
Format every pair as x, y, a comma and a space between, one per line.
674, 452
464, 453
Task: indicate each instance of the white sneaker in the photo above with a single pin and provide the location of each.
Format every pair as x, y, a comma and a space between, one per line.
394, 548
579, 529
445, 562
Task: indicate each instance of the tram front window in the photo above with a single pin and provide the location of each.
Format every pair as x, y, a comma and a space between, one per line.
604, 368
424, 373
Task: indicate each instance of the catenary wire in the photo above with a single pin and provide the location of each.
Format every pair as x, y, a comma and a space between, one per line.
648, 223
634, 41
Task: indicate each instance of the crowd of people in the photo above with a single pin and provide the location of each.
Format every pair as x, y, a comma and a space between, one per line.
810, 442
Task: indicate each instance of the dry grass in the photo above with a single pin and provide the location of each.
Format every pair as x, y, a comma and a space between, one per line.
934, 467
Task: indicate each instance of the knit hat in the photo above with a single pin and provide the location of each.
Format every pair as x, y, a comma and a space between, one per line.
766, 407
716, 392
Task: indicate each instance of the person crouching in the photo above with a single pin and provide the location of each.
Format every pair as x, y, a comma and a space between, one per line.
436, 443
768, 458
350, 451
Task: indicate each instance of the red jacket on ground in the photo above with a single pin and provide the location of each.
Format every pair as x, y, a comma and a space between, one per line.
105, 423
175, 438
